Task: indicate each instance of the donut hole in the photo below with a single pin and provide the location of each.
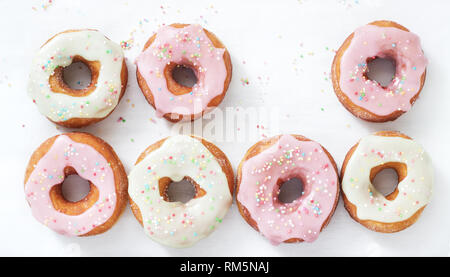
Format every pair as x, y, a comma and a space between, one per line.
74, 188
77, 79
386, 177
74, 195
290, 190
77, 76
386, 181
381, 70
184, 76
179, 191
182, 191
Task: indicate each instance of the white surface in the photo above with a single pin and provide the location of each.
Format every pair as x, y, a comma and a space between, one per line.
266, 43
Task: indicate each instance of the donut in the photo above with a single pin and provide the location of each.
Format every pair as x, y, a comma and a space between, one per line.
76, 108
366, 98
93, 160
188, 46
401, 208
173, 159
266, 166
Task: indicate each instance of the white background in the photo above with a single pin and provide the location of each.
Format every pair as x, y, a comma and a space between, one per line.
285, 49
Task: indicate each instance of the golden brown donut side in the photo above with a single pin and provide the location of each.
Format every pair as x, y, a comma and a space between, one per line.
220, 157
345, 100
57, 84
401, 172
179, 89
75, 208
255, 150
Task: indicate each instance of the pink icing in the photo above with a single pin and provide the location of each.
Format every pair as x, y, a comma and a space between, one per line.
258, 191
49, 171
383, 42
189, 46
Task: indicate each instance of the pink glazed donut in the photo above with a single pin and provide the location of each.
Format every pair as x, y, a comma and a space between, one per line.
366, 98
93, 160
183, 45
266, 166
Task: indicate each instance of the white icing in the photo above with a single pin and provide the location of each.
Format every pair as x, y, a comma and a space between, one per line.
415, 189
58, 52
173, 223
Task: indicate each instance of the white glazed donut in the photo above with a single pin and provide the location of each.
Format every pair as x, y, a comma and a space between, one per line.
401, 208
71, 107
173, 159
